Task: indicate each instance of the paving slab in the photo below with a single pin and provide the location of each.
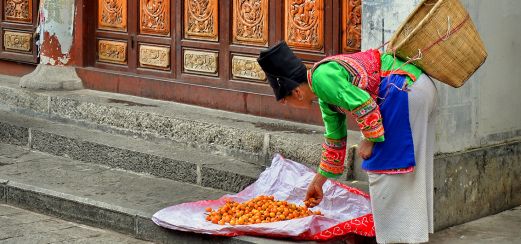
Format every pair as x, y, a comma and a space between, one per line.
22, 226
502, 228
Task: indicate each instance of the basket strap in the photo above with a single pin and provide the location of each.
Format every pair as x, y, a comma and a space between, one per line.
441, 39
444, 38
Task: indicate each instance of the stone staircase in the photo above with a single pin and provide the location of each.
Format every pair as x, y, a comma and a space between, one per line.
112, 160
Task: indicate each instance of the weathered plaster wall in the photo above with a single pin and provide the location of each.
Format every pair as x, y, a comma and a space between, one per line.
483, 111
56, 29
499, 111
476, 183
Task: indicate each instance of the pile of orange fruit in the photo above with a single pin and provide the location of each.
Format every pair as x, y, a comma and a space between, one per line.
261, 209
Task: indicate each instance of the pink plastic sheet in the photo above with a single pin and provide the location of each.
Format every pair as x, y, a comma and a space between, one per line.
345, 209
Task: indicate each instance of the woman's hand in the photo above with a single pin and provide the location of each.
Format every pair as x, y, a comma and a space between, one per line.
315, 194
365, 149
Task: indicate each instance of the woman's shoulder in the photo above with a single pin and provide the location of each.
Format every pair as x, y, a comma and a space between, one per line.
329, 72
326, 67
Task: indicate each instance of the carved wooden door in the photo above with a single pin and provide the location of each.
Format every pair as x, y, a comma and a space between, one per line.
212, 46
134, 36
222, 39
17, 26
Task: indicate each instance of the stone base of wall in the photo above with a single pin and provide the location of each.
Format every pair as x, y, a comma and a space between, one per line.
476, 183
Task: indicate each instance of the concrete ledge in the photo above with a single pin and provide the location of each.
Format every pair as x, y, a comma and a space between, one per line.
476, 183
126, 221
22, 98
468, 185
15, 135
86, 151
3, 191
101, 215
70, 207
214, 176
170, 161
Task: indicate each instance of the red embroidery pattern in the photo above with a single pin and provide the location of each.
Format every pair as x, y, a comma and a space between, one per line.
393, 171
333, 156
363, 225
365, 69
365, 108
363, 66
371, 124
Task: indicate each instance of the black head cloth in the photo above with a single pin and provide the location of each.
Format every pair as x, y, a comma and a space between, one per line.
285, 71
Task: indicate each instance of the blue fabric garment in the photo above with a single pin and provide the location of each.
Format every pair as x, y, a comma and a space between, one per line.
397, 151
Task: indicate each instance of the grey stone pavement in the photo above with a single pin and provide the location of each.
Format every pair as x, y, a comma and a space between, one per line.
502, 228
28, 167
22, 226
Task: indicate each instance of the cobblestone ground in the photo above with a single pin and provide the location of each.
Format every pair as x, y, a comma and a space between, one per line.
21, 226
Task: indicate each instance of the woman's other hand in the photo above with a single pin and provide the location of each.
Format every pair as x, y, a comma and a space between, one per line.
315, 194
365, 149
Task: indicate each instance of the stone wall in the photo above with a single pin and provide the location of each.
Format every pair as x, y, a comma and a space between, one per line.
476, 183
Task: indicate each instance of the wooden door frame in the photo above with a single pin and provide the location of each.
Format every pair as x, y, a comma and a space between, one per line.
23, 27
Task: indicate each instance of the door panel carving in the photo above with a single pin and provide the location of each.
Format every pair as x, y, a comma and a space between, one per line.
304, 24
18, 10
201, 19
18, 41
200, 62
155, 17
351, 25
247, 68
112, 15
154, 56
250, 22
112, 51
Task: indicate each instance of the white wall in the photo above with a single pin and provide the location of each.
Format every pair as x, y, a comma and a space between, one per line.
486, 110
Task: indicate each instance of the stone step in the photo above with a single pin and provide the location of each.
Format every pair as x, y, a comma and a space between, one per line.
24, 226
101, 196
249, 138
96, 195
170, 161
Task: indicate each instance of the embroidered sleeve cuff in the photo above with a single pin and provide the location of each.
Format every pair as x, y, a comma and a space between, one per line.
378, 139
333, 157
369, 120
327, 174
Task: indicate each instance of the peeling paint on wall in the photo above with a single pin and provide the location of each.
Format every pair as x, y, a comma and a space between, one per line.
57, 20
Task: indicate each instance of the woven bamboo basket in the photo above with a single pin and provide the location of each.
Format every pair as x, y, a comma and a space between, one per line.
440, 38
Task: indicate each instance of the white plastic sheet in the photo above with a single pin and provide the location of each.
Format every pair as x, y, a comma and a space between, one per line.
345, 210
